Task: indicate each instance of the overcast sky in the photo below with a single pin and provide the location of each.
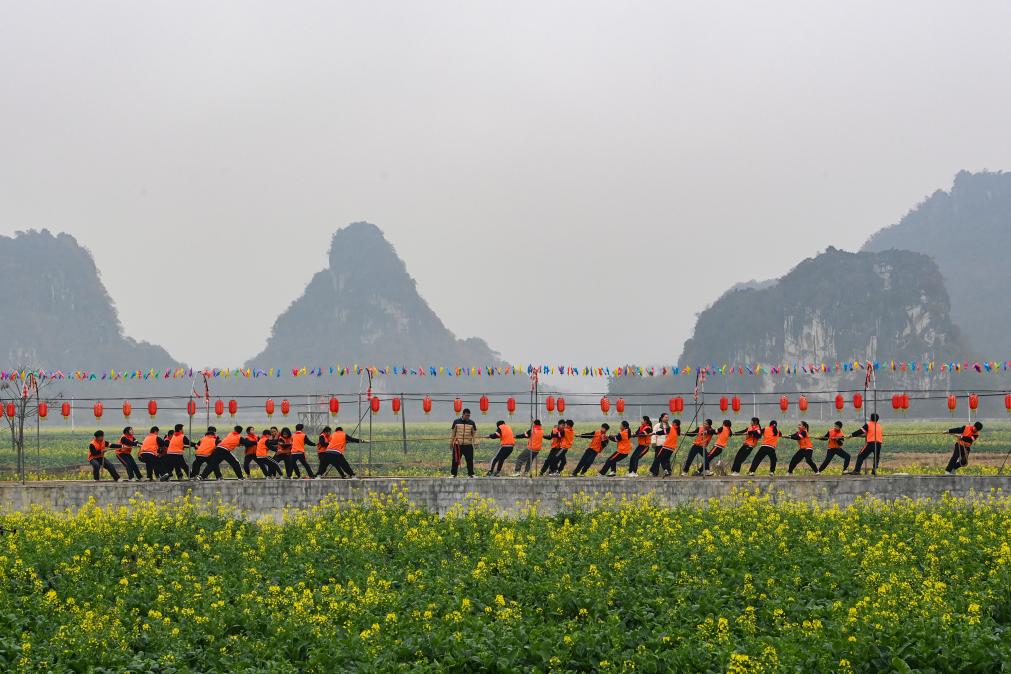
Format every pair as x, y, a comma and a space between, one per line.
610, 168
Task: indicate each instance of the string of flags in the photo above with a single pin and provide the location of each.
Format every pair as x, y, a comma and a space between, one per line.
619, 371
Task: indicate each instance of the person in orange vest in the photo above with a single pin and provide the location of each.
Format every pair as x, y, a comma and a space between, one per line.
836, 438
642, 445
535, 440
623, 439
334, 453
249, 449
703, 436
874, 436
967, 435
557, 436
125, 454
507, 440
752, 434
150, 449
598, 441
204, 450
265, 444
568, 439
174, 458
321, 444
298, 443
223, 452
667, 449
96, 457
719, 444
770, 438
283, 454
805, 448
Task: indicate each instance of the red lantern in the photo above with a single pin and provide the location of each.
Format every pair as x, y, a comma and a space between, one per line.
457, 405
335, 406
233, 407
735, 404
11, 410
268, 407
375, 404
905, 402
724, 404
98, 409
784, 403
672, 405
680, 403
840, 402
426, 405
802, 403
858, 401
395, 404
127, 409
561, 405
219, 407
191, 408
43, 410
1007, 402
549, 404
896, 401
605, 406
483, 404
65, 410
152, 408
619, 405
952, 403
511, 406
285, 407
973, 401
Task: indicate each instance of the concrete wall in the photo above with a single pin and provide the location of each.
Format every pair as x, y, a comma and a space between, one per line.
268, 498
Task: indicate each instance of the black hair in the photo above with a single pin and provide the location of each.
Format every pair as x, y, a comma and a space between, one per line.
499, 423
126, 431
466, 410
624, 424
154, 429
755, 421
804, 424
677, 422
326, 429
568, 422
178, 428
250, 429
726, 422
237, 428
338, 429
838, 424
99, 434
265, 431
211, 430
662, 415
978, 425
606, 427
537, 422
874, 416
285, 431
773, 423
299, 427
646, 418
709, 422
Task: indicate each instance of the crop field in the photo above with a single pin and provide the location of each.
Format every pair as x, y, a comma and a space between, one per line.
911, 446
743, 585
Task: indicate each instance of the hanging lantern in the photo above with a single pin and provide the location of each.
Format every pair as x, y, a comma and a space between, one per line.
43, 410
511, 406
724, 404
605, 406
152, 408
285, 407
11, 410
426, 405
784, 403
672, 405
858, 401
896, 401
335, 406
191, 408
549, 404
1007, 402
65, 410
268, 407
840, 402
219, 407
619, 405
802, 403
952, 403
97, 408
457, 405
560, 404
482, 404
973, 402
233, 407
905, 402
395, 404
680, 403
127, 409
735, 404
374, 403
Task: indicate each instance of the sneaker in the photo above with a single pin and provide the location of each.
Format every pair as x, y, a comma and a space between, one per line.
612, 473
734, 473
684, 474
632, 474
949, 472
666, 473
709, 473
320, 478
164, 478
772, 473
750, 473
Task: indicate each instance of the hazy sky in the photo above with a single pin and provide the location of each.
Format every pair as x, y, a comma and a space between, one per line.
572, 181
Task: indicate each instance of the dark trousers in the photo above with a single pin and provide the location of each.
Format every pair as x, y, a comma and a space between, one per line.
637, 454
525, 460
203, 461
696, 450
132, 469
870, 449
589, 456
549, 462
293, 462
959, 458
806, 455
742, 455
213, 464
463, 453
338, 461
176, 462
833, 452
98, 464
248, 460
764, 451
268, 466
662, 461
713, 453
290, 466
559, 464
150, 462
499, 459
612, 463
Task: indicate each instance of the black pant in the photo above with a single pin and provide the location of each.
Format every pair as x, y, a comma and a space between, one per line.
589, 456
98, 464
713, 453
176, 462
338, 461
500, 456
151, 462
742, 455
559, 465
268, 466
549, 463
832, 452
612, 463
637, 454
463, 452
959, 458
247, 460
764, 451
806, 455
871, 448
696, 450
132, 469
293, 461
221, 454
203, 461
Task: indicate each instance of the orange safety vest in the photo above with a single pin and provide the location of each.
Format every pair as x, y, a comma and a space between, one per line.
750, 440
231, 441
835, 438
251, 450
338, 441
704, 437
874, 433
969, 435
624, 442
298, 443
125, 449
597, 442
206, 445
96, 449
506, 436
556, 438
648, 430
723, 437
283, 446
568, 437
175, 445
261, 446
150, 444
770, 438
321, 442
536, 439
671, 441
805, 442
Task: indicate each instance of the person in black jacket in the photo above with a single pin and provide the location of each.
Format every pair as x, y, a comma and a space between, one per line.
967, 435
127, 442
805, 448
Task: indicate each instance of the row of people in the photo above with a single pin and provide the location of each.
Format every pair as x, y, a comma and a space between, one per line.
270, 450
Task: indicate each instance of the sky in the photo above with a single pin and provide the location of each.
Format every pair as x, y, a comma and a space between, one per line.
571, 181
